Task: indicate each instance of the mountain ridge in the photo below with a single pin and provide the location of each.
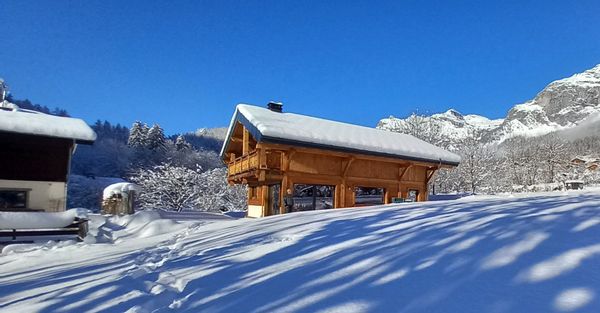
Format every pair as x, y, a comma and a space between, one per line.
563, 104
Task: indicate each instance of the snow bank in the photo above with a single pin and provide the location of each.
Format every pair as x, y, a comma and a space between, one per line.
525, 253
38, 220
123, 188
142, 224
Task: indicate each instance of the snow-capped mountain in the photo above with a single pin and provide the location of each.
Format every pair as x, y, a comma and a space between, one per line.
561, 105
452, 124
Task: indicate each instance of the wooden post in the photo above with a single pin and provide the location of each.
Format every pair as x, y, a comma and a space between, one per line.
262, 158
283, 193
402, 170
341, 203
246, 142
265, 200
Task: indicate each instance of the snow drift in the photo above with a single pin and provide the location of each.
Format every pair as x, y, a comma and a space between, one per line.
535, 253
38, 220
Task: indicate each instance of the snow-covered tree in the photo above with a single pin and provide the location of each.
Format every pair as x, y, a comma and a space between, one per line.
179, 188
155, 140
218, 195
168, 187
138, 135
181, 144
553, 153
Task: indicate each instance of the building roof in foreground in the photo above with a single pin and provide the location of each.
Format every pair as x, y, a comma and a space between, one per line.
307, 131
15, 120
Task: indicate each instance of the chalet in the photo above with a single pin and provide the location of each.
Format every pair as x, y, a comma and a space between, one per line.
310, 163
35, 158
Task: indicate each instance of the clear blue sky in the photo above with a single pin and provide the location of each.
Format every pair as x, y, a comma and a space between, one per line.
185, 64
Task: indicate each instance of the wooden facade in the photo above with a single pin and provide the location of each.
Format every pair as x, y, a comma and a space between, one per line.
269, 169
35, 158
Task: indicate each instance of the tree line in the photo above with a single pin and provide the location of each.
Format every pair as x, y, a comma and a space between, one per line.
540, 163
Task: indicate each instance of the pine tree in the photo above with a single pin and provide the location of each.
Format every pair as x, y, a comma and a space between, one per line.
181, 144
156, 138
138, 135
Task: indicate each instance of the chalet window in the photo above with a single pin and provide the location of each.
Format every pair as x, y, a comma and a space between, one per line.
369, 196
13, 199
313, 197
413, 195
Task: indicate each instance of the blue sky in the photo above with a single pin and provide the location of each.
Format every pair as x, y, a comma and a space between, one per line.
185, 64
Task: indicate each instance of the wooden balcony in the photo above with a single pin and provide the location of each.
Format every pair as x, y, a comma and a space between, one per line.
267, 160
243, 164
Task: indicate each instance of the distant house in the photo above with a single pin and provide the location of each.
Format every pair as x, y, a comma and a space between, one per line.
325, 164
578, 161
35, 158
574, 184
593, 167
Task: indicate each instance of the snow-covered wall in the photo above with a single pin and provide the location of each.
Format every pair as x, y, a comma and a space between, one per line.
42, 195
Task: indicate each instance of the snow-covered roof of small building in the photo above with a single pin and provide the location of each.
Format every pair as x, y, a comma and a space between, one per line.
301, 130
574, 181
120, 189
15, 120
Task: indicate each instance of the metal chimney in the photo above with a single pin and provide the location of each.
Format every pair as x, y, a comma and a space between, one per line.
275, 106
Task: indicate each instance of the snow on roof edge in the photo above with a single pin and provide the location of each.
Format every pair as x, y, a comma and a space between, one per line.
35, 123
448, 158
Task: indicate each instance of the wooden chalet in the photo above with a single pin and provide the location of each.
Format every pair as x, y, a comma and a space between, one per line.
323, 163
35, 158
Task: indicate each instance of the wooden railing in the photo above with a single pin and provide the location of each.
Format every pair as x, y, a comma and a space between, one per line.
255, 160
243, 164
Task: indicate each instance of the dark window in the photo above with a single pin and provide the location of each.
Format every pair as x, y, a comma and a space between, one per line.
413, 195
13, 199
368, 196
313, 197
274, 198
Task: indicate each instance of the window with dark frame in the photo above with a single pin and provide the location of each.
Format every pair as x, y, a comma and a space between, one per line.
313, 197
13, 199
365, 196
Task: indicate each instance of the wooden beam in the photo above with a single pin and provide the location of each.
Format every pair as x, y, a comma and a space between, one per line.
375, 181
246, 142
430, 173
287, 158
402, 171
262, 158
347, 168
349, 155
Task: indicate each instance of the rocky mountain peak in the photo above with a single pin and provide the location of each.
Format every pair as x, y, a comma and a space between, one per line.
562, 104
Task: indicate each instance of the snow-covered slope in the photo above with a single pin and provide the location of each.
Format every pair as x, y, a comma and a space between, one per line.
536, 253
561, 105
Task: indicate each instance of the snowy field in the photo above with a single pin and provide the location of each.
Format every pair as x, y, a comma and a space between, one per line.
534, 253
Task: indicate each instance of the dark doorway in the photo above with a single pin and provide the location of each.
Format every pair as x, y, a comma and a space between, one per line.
274, 191
365, 196
413, 195
313, 197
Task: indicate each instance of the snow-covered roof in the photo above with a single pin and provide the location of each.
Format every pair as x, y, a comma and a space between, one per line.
301, 130
574, 181
15, 120
120, 189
